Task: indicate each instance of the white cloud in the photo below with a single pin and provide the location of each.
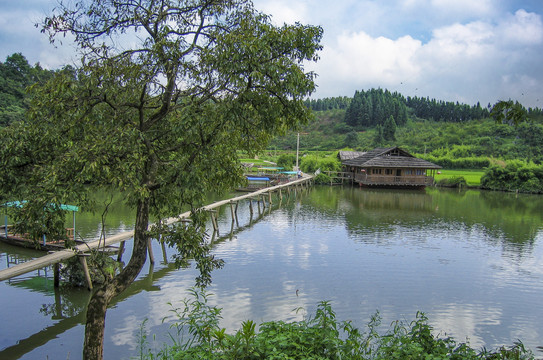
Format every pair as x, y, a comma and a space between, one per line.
471, 40
522, 29
360, 56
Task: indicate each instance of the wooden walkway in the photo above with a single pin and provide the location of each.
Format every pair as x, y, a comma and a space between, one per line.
59, 256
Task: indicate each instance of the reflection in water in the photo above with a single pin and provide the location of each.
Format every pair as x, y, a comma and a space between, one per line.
472, 261
468, 319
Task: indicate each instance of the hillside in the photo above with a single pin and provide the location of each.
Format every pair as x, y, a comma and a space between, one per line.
460, 131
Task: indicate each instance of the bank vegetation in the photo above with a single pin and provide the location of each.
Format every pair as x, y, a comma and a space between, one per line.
197, 335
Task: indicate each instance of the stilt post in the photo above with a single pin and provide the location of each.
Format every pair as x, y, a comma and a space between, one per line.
120, 252
150, 250
83, 259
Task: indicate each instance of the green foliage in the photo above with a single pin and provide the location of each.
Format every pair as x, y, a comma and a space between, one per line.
351, 139
319, 337
328, 103
389, 129
445, 111
190, 241
509, 112
375, 107
286, 161
311, 163
16, 75
322, 179
516, 175
451, 162
453, 182
37, 219
342, 128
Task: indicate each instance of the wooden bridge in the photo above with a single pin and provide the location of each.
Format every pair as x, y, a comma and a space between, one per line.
82, 250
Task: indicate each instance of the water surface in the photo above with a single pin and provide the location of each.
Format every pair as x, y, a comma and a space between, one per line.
471, 260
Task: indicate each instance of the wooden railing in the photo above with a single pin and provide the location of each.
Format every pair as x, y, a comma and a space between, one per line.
420, 180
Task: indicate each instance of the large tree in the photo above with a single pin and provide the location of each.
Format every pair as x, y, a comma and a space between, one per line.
166, 92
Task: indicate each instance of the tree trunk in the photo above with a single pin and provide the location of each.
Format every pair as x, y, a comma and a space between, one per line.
93, 348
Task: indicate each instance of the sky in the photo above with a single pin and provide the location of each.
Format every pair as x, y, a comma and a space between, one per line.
453, 50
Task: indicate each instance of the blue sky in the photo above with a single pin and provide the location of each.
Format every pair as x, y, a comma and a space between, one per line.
454, 50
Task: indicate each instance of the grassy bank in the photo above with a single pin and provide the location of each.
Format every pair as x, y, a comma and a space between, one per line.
472, 177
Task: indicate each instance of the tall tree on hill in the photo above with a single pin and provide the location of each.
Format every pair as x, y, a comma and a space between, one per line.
389, 129
167, 92
16, 75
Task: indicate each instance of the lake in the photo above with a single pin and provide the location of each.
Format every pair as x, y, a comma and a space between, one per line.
471, 260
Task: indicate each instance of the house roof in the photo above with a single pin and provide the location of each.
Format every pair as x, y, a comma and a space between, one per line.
347, 155
393, 157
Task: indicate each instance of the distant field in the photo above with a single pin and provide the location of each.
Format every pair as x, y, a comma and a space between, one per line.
473, 177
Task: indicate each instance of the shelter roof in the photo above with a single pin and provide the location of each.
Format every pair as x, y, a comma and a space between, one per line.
61, 206
392, 157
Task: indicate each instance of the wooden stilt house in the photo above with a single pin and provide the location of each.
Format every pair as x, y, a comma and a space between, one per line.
390, 167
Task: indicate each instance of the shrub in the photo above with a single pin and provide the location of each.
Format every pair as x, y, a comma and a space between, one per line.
311, 163
453, 182
322, 179
286, 161
451, 162
514, 176
319, 337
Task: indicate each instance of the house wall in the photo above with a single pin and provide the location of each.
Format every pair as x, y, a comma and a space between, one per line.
392, 176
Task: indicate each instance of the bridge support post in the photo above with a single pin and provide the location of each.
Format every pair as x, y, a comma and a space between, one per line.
56, 274
150, 250
213, 214
164, 256
83, 259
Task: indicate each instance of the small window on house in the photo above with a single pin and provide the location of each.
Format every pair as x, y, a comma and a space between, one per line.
388, 171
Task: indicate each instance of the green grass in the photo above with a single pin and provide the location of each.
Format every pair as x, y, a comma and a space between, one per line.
472, 177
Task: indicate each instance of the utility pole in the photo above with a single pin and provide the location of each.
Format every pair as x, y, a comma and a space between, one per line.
298, 149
